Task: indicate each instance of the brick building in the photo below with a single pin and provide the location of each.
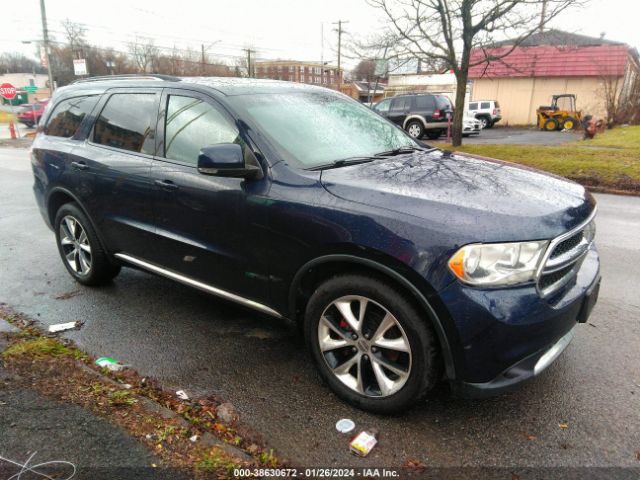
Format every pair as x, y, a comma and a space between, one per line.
296, 71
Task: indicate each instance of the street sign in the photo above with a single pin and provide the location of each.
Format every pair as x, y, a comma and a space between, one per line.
7, 91
80, 67
31, 89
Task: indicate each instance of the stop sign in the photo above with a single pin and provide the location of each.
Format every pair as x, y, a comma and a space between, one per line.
7, 91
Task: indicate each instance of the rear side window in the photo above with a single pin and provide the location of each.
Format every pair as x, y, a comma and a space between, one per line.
473, 106
68, 115
192, 124
484, 105
425, 102
444, 103
127, 121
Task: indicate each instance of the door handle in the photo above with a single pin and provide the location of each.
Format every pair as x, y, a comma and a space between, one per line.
81, 165
166, 184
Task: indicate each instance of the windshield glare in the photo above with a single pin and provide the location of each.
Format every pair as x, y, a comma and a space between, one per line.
311, 129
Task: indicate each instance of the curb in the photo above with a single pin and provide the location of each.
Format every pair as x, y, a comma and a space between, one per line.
206, 439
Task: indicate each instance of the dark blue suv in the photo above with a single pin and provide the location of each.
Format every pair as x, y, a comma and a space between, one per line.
403, 264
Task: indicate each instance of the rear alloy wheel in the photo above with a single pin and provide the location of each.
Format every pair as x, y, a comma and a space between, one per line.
75, 245
370, 344
80, 249
415, 129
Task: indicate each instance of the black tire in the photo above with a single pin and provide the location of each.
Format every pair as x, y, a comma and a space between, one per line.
485, 121
425, 369
433, 134
101, 270
550, 125
415, 129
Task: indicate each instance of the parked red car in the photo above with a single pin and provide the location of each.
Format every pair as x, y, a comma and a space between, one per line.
30, 114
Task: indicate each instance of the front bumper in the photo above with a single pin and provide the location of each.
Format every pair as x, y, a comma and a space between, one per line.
507, 336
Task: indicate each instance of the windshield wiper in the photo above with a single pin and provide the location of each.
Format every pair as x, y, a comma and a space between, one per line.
343, 162
400, 150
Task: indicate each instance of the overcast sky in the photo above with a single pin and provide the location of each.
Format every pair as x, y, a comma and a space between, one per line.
286, 29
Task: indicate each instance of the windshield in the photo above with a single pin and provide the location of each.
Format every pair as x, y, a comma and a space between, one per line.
311, 129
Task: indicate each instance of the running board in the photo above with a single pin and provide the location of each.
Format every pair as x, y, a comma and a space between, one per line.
199, 285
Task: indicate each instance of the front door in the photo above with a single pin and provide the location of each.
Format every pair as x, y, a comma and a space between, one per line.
208, 228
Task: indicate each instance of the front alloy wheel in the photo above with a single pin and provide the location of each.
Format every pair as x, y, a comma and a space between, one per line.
365, 346
75, 245
371, 342
415, 129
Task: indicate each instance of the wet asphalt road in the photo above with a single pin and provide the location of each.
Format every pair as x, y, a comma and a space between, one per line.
518, 136
204, 345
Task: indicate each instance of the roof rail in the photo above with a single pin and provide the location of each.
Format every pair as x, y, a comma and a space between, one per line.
150, 76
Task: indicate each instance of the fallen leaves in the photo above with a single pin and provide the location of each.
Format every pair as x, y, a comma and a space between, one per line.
563, 426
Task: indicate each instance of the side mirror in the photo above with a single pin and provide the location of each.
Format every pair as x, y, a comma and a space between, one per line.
226, 160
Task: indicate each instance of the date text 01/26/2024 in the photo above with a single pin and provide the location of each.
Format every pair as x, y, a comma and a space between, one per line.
316, 473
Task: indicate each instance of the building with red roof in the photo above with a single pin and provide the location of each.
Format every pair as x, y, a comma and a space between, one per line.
548, 63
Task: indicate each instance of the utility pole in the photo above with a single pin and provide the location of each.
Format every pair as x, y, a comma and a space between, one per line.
249, 67
202, 60
45, 43
339, 23
543, 16
322, 52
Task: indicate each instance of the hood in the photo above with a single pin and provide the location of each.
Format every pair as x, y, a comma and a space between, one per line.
481, 199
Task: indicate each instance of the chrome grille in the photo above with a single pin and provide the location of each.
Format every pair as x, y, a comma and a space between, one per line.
564, 257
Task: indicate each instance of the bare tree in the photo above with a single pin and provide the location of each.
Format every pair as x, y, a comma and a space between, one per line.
144, 53
442, 33
18, 63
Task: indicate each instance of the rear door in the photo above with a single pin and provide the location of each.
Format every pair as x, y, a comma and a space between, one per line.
58, 152
119, 152
425, 105
208, 227
399, 110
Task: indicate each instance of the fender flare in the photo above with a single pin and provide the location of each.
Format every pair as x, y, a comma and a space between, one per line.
67, 192
414, 117
447, 353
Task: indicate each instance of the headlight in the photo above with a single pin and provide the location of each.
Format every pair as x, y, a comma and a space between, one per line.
497, 264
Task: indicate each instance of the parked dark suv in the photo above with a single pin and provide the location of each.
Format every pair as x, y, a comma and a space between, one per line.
418, 114
402, 264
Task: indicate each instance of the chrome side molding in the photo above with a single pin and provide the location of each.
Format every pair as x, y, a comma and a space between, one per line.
199, 285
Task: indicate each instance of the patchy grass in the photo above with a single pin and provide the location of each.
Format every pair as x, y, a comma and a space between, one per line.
36, 348
215, 460
610, 161
5, 117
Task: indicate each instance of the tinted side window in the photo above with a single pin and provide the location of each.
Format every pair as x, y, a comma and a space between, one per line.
473, 106
127, 121
425, 102
192, 124
444, 103
400, 104
68, 115
484, 105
